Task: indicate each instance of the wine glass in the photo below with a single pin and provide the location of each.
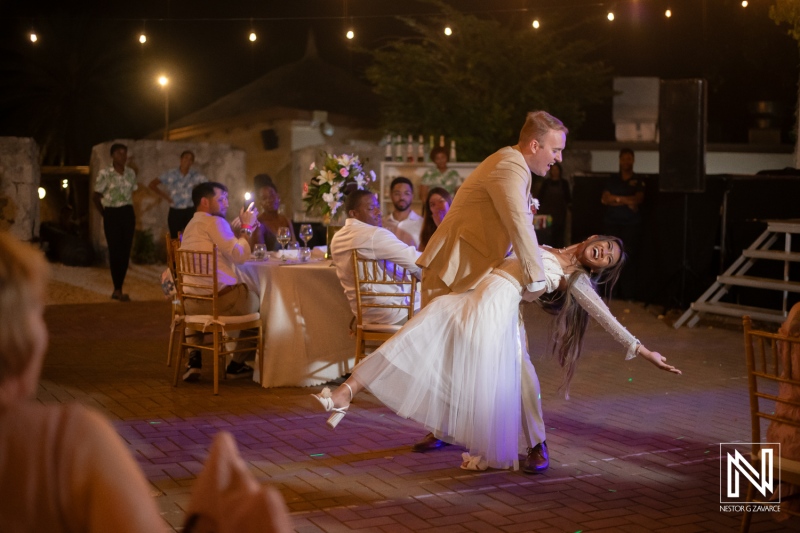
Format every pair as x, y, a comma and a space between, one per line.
284, 236
260, 252
306, 233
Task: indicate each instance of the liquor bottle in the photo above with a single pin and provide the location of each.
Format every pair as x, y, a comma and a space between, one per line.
398, 149
441, 141
410, 149
421, 150
452, 151
387, 156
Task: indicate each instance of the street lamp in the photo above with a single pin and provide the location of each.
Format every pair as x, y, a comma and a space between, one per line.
164, 81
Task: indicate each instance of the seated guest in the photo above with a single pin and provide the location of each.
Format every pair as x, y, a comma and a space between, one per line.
62, 466
362, 232
403, 221
207, 228
270, 220
433, 211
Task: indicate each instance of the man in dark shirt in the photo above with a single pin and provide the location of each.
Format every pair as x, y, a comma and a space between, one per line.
623, 195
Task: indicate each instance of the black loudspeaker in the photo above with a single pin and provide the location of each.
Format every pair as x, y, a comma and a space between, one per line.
682, 130
269, 138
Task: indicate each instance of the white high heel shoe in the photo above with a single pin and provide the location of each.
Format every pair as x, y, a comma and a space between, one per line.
325, 400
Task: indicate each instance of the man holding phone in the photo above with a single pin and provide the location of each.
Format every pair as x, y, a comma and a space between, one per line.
207, 228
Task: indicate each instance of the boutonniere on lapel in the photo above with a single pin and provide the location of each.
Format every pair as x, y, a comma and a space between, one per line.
533, 204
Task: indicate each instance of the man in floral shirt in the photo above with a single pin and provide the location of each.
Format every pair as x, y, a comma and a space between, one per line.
179, 183
113, 197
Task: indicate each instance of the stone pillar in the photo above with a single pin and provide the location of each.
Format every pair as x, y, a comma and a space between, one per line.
19, 187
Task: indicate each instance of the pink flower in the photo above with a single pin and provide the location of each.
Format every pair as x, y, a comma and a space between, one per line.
305, 188
312, 166
344, 172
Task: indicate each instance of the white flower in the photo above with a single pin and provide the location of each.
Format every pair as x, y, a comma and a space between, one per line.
334, 206
326, 176
535, 203
328, 198
312, 166
335, 188
344, 160
360, 181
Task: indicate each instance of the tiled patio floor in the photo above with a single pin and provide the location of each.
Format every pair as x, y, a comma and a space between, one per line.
634, 449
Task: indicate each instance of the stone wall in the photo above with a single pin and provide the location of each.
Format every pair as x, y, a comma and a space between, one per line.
19, 184
150, 159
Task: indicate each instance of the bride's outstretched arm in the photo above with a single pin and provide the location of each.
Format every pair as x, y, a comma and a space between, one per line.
657, 359
586, 296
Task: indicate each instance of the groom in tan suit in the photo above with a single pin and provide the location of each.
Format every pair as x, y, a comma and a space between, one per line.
490, 216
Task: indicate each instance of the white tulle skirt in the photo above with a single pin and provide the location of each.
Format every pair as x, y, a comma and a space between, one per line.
455, 368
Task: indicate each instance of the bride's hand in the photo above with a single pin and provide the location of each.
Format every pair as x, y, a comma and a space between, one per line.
657, 359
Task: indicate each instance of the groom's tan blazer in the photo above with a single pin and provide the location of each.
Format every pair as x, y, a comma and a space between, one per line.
490, 215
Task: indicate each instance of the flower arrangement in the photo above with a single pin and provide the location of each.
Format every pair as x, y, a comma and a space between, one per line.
339, 175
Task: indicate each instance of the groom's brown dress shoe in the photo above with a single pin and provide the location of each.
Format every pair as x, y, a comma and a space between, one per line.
429, 443
537, 459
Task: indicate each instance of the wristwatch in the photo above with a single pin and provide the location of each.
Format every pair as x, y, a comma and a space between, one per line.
247, 231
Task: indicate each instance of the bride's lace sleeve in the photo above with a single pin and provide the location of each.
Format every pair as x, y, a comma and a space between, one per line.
586, 296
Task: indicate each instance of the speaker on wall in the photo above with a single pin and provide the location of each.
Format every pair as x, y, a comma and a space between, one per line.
682, 135
269, 138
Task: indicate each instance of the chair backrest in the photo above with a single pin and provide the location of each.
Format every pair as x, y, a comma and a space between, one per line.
172, 246
196, 276
773, 373
372, 274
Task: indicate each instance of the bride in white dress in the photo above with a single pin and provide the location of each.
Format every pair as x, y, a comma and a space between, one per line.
455, 367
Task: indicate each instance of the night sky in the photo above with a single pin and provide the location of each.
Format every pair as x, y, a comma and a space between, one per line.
89, 68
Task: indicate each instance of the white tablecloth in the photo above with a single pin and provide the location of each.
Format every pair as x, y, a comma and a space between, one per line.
306, 322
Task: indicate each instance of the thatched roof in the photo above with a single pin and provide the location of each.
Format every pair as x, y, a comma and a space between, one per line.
308, 84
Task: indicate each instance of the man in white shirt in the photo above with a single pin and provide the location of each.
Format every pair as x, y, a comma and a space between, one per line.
207, 228
404, 222
362, 231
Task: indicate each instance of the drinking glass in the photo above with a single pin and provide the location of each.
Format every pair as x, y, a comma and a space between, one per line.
260, 251
306, 233
284, 236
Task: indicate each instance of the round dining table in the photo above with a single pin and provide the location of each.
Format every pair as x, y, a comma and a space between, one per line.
306, 320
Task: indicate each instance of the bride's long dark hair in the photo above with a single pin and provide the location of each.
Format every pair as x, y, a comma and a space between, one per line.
571, 319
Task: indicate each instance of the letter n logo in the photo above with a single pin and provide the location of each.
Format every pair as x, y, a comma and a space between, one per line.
738, 467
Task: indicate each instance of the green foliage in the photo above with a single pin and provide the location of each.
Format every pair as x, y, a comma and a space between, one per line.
477, 85
787, 11
144, 248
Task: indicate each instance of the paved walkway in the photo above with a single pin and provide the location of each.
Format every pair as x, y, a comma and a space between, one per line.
634, 449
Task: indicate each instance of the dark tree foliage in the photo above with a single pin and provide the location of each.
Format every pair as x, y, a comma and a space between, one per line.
476, 85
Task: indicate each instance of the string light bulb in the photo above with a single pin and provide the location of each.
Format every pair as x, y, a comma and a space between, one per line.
535, 24
350, 34
253, 37
448, 31
610, 16
744, 3
163, 80
668, 13
143, 38
42, 193
34, 37
65, 183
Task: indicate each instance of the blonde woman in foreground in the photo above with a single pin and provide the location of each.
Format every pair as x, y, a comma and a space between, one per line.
62, 466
